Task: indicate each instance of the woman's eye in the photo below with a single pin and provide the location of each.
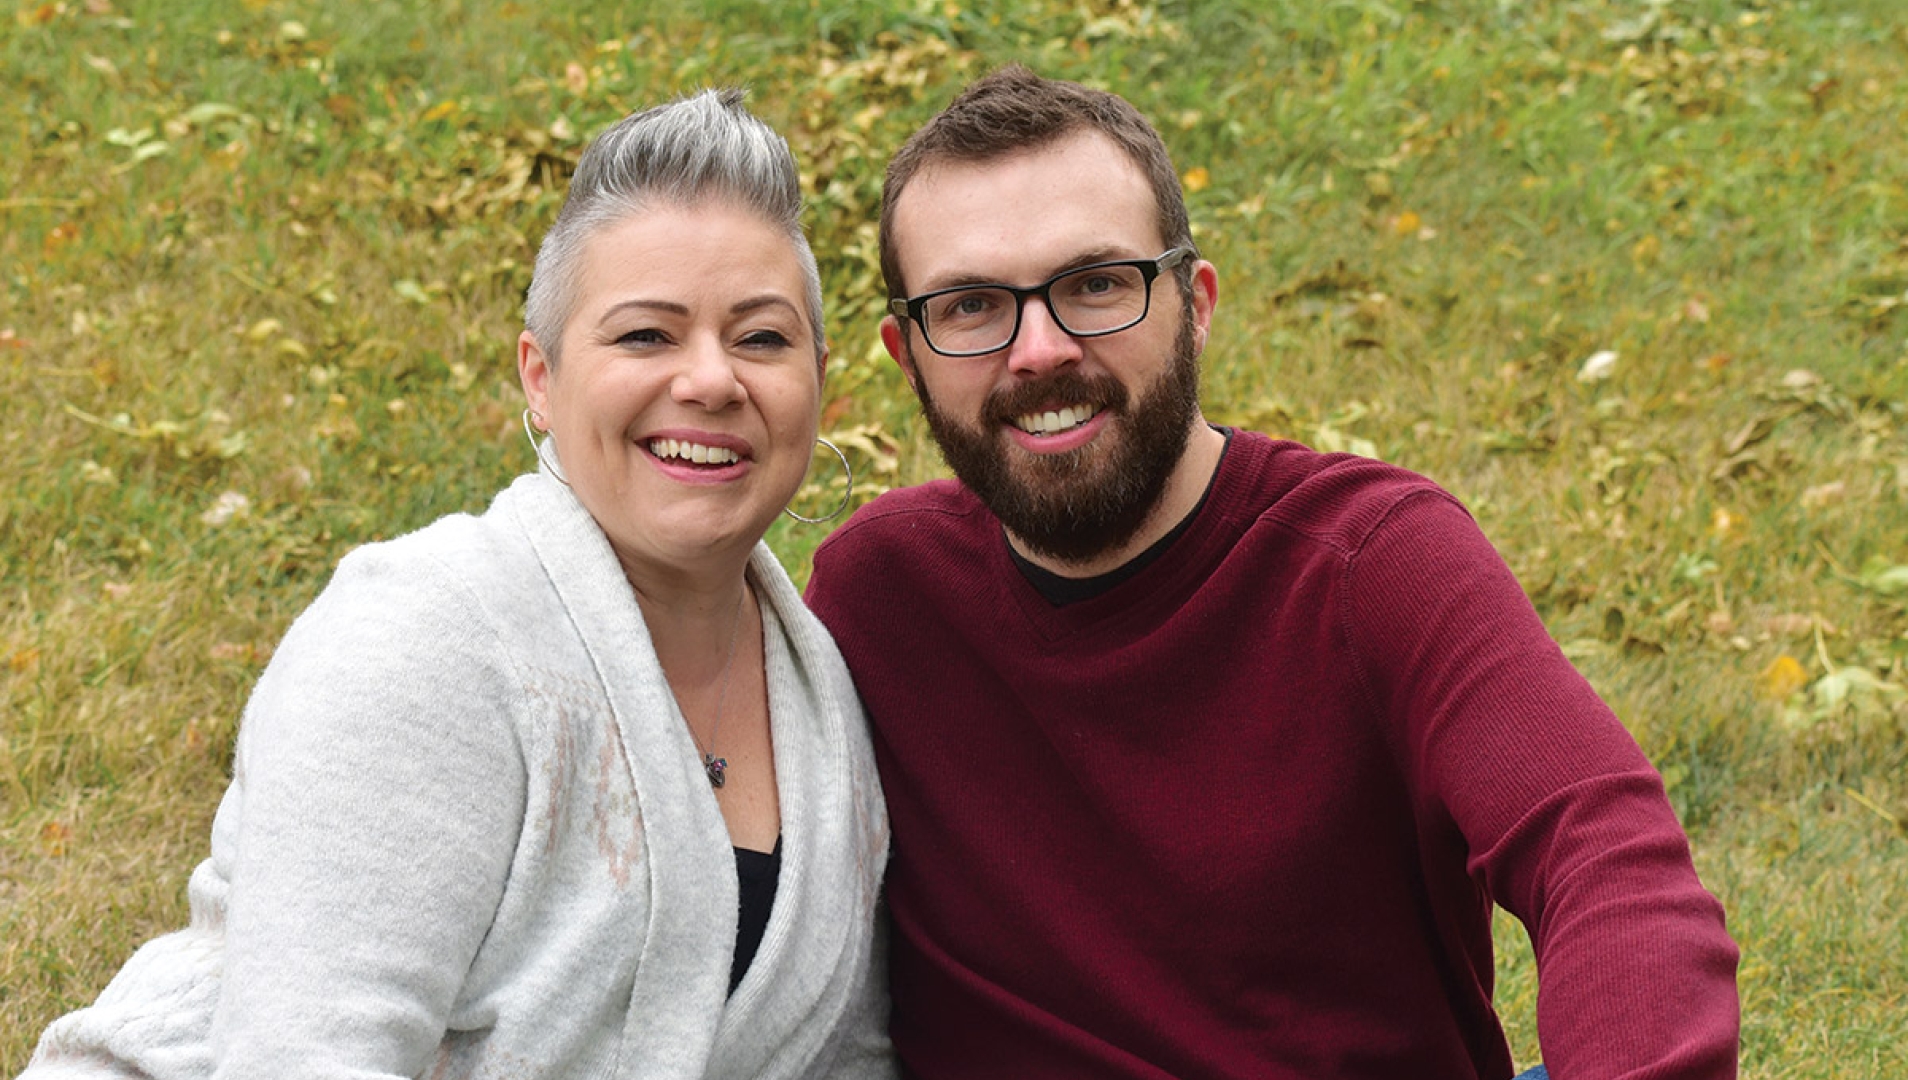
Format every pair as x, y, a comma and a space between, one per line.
766, 339
645, 336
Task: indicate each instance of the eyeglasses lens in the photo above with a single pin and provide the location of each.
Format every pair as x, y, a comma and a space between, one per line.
1095, 300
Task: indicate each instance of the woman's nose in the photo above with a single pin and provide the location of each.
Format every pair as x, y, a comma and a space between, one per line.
708, 377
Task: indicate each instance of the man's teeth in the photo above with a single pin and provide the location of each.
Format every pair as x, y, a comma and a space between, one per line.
696, 452
1046, 423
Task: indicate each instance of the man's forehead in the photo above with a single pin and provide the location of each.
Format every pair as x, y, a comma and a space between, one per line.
1024, 214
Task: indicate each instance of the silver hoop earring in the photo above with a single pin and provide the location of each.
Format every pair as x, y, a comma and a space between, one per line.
536, 447
847, 493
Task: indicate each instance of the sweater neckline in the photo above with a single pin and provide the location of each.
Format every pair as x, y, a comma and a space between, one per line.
1160, 585
1060, 590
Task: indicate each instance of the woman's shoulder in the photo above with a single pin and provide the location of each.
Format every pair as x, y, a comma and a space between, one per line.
439, 593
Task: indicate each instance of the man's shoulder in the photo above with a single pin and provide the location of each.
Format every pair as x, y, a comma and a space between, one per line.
931, 529
1335, 498
944, 506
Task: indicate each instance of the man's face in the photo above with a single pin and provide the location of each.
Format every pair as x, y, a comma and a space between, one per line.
1070, 441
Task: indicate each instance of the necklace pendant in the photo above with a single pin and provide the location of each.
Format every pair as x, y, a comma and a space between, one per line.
715, 767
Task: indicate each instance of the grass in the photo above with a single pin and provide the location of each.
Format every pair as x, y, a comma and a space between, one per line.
277, 249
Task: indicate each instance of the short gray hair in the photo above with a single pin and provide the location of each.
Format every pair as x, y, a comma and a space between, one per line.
703, 148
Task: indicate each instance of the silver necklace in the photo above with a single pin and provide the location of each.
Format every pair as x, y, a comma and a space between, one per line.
716, 767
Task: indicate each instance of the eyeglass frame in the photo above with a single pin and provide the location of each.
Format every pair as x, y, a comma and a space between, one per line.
914, 307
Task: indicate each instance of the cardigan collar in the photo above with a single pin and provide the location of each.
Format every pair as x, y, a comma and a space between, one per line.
691, 856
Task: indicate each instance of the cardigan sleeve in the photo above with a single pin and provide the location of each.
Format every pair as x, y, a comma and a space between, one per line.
377, 799
1565, 822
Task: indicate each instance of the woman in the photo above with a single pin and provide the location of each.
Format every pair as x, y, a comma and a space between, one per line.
501, 792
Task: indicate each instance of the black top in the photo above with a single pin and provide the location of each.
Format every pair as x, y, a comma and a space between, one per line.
757, 873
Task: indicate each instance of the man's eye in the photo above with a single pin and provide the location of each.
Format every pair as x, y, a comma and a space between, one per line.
967, 306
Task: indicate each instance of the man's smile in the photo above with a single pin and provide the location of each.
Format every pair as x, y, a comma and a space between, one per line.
1052, 421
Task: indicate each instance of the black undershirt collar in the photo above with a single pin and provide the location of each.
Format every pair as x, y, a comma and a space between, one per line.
1060, 590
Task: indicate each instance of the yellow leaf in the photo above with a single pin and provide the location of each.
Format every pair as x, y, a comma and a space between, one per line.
439, 111
53, 838
1407, 223
1196, 179
1781, 679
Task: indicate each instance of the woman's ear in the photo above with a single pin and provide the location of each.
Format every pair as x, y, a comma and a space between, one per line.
533, 370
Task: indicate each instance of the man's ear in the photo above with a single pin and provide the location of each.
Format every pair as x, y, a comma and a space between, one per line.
533, 370
1205, 297
894, 336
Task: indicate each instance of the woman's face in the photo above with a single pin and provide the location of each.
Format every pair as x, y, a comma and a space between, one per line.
684, 404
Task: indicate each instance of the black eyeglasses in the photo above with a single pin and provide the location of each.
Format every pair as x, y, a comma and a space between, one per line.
1091, 301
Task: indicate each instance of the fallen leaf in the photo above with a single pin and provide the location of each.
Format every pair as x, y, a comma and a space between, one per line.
1196, 179
1789, 624
1881, 576
1600, 366
1848, 683
225, 508
1781, 679
53, 838
1824, 494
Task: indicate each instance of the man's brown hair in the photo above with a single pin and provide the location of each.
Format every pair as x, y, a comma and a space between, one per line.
1012, 110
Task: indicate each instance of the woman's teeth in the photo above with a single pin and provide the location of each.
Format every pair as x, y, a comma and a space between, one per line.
693, 452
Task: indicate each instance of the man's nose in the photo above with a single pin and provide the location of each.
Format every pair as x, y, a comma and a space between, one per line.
1042, 343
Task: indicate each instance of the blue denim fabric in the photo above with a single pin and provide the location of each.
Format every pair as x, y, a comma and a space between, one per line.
1537, 1072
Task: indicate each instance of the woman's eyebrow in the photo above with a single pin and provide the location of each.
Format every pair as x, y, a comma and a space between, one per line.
668, 306
756, 303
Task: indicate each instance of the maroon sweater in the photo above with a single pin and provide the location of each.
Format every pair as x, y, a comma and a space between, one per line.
1245, 815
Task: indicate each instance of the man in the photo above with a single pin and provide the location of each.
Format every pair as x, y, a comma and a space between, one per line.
1207, 755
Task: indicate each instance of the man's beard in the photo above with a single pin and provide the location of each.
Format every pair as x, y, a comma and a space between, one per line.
1080, 504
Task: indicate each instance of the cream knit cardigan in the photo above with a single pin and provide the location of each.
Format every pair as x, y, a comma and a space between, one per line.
468, 835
